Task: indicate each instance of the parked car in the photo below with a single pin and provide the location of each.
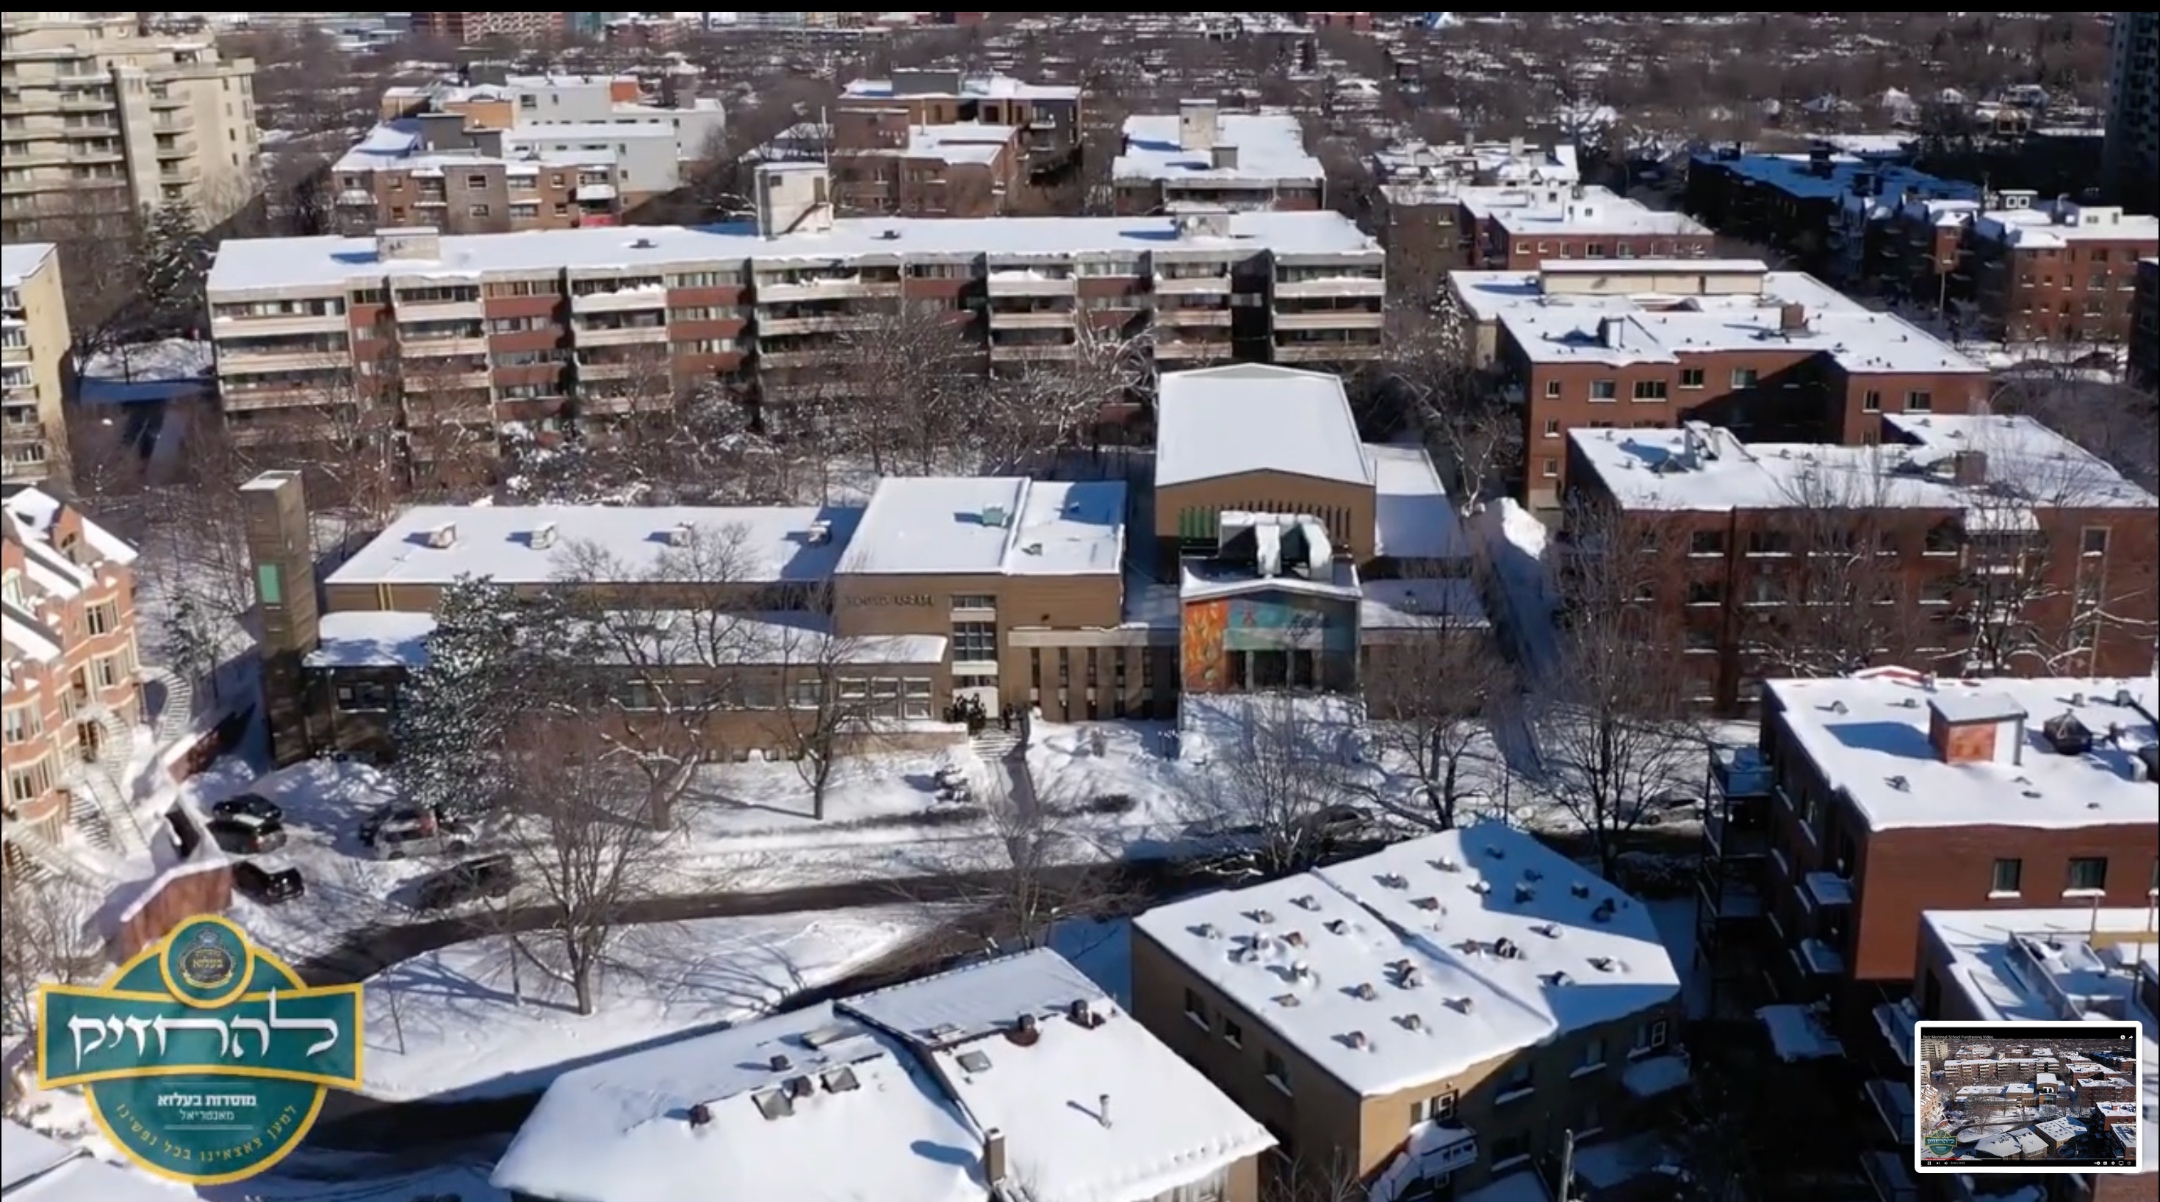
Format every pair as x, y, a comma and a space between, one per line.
488, 876
1671, 805
429, 837
268, 886
372, 826
1337, 823
246, 835
249, 805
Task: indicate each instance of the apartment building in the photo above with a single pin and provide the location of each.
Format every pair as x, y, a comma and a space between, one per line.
2133, 116
1007, 1078
1204, 156
1656, 343
36, 354
1434, 1015
551, 325
98, 116
68, 692
1994, 541
2051, 960
1047, 115
393, 179
1519, 229
1418, 203
470, 28
882, 163
2144, 363
1284, 551
1811, 207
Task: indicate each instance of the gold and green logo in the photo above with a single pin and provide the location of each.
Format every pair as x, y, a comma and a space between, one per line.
204, 1058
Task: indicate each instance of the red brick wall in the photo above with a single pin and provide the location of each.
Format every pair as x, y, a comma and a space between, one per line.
176, 895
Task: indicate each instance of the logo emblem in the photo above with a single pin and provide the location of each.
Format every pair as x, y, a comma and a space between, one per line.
204, 1058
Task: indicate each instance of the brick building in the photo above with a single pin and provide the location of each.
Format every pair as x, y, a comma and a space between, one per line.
468, 28
2144, 365
69, 694
1418, 205
1653, 344
1047, 115
884, 164
591, 324
1985, 541
1520, 229
1815, 208
1409, 1062
2021, 269
1204, 156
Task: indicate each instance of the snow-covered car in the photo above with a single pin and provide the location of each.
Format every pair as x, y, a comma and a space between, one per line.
1671, 805
248, 805
431, 836
246, 835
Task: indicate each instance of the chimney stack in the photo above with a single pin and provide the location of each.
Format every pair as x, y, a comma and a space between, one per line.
994, 1156
1198, 123
1792, 317
1969, 468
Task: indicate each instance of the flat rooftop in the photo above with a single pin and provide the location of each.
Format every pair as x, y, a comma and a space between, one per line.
1827, 178
984, 87
603, 133
2091, 953
1213, 422
989, 525
1868, 735
1413, 964
769, 544
2053, 224
1583, 210
1412, 515
2028, 467
1500, 162
399, 146
19, 260
1270, 149
1857, 340
1612, 287
330, 262
960, 144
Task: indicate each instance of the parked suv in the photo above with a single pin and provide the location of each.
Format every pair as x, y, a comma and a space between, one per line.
488, 876
246, 835
248, 805
266, 886
429, 836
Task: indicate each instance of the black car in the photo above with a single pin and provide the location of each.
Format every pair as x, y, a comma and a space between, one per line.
265, 885
488, 876
249, 805
246, 836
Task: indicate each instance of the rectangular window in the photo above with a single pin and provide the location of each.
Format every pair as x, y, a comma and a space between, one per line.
1552, 427
1233, 1034
1278, 1073
2094, 541
974, 601
2088, 873
1649, 390
105, 618
1550, 469
1691, 377
974, 641
1438, 1108
1871, 401
268, 590
29, 782
1743, 377
1603, 390
2008, 874
1918, 401
1706, 542
1517, 1081
1593, 1054
1195, 1009
1552, 390
22, 722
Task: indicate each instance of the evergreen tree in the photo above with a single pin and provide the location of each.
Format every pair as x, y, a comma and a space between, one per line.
452, 717
172, 263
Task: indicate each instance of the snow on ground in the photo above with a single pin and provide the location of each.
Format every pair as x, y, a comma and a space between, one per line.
1137, 761
312, 1175
1675, 921
877, 791
1511, 543
1101, 948
64, 1115
457, 1022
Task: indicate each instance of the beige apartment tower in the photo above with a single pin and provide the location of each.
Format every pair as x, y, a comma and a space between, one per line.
96, 115
34, 342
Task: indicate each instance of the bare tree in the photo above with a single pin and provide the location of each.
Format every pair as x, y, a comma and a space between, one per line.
97, 235
1432, 694
1273, 775
827, 709
1032, 868
48, 935
1615, 732
1018, 420
1430, 367
906, 371
578, 828
1836, 575
671, 644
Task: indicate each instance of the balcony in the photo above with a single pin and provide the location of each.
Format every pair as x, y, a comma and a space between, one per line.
1742, 835
1332, 319
1325, 352
1200, 318
270, 327
654, 335
1735, 901
1817, 958
1895, 1020
1890, 1175
244, 362
435, 310
1827, 889
783, 290
1192, 348
177, 148
1740, 772
1026, 352
1006, 282
435, 348
1192, 285
622, 300
1031, 319
1894, 1104
821, 323
1342, 285
242, 400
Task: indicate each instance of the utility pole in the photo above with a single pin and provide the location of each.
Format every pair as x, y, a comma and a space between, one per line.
1567, 1166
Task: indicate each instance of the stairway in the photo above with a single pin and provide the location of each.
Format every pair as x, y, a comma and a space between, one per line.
42, 853
994, 743
178, 708
105, 818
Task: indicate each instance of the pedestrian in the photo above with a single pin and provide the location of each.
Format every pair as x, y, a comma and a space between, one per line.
1005, 718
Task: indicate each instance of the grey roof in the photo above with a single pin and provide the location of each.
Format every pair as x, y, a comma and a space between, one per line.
1253, 417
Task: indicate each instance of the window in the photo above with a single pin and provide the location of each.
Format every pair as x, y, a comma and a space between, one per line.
1649, 1037
1195, 1009
1517, 1082
1550, 468
268, 589
477, 210
2088, 873
1509, 1151
915, 699
1871, 401
1552, 427
1233, 1034
974, 641
974, 601
364, 697
2094, 540
1593, 1055
1649, 390
28, 782
1439, 1108
1707, 542
1744, 377
1552, 390
105, 618
1603, 390
1706, 592
22, 722
1691, 377
106, 670
2008, 873
1919, 401
1277, 1073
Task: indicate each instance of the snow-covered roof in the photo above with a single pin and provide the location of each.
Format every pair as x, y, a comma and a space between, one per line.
401, 145
1091, 1113
1513, 162
390, 639
1802, 176
2053, 224
968, 142
981, 87
1250, 417
21, 260
899, 1091
1412, 516
1417, 962
372, 639
142, 371
37, 1168
498, 542
1860, 341
1868, 736
2028, 467
1577, 210
1270, 150
1594, 287
1422, 602
990, 525
331, 262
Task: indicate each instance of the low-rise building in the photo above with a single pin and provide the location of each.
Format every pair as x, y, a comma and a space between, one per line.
1204, 156
2144, 364
471, 28
391, 179
1017, 1077
1437, 1012
36, 353
1047, 115
1992, 545
1814, 207
882, 162
2106, 1090
2013, 267
1520, 229
69, 691
1655, 344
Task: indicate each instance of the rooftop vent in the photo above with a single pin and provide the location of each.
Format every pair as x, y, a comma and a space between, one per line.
1444, 864
1300, 971
1390, 880
1532, 874
774, 1104
976, 1061
700, 1114
888, 234
1462, 1005
680, 534
543, 536
643, 244
1409, 977
1083, 1014
1263, 917
1603, 963
1294, 938
1524, 893
1426, 903
801, 1087
780, 1062
1580, 889
1557, 979
1497, 852
2067, 735
841, 1080
1288, 1000
1481, 887
1337, 926
1604, 912
1305, 901
1505, 949
1356, 1039
1364, 991
819, 534
1208, 930
443, 537
1411, 1022
1899, 783
1551, 930
2147, 767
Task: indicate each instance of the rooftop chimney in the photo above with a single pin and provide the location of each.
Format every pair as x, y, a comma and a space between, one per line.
994, 1156
1609, 332
1976, 728
1102, 1108
1198, 123
1969, 468
417, 243
1792, 317
1223, 155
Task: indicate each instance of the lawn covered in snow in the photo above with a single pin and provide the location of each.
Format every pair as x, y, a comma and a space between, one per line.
454, 1023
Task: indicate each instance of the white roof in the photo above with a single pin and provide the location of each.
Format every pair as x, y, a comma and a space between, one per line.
2058, 223
1981, 966
1270, 149
987, 87
1411, 512
1592, 210
1509, 162
1859, 341
37, 1168
935, 525
958, 143
2029, 467
1419, 926
372, 639
1249, 417
328, 262
932, 1066
387, 639
1491, 295
1090, 1114
495, 541
20, 260
1796, 176
1868, 735
585, 131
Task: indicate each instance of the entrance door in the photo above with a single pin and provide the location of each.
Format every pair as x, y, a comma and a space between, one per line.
89, 741
983, 690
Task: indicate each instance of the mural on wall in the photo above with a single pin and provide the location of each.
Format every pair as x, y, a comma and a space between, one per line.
1280, 621
1200, 646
